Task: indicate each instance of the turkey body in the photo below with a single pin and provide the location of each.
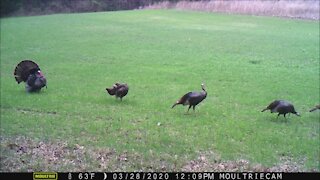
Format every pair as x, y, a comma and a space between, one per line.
192, 98
119, 90
35, 82
281, 107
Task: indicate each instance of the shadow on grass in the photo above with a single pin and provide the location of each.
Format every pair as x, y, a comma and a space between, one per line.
280, 119
113, 101
185, 113
22, 91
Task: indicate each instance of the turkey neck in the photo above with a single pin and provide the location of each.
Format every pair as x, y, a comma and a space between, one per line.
204, 92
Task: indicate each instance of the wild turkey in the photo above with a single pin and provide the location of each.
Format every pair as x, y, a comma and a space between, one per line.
281, 107
315, 108
119, 90
192, 98
30, 73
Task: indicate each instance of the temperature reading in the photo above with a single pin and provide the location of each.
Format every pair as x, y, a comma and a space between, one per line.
85, 176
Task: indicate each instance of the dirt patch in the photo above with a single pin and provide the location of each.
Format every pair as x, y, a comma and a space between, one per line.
25, 110
21, 154
204, 163
24, 154
32, 111
288, 165
209, 161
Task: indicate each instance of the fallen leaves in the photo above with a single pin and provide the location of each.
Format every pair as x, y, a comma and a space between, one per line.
25, 154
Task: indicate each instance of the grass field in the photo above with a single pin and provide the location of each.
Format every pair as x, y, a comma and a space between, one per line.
245, 62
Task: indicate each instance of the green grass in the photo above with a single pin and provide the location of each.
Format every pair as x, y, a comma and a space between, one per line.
246, 62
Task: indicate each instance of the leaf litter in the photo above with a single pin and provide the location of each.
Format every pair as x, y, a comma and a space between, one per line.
21, 154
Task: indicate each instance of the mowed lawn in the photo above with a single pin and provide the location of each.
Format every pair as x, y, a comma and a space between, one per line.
246, 62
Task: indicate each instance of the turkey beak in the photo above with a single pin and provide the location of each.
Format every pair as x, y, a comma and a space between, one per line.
298, 114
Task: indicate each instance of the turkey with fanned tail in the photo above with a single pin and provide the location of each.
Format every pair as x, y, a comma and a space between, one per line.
30, 73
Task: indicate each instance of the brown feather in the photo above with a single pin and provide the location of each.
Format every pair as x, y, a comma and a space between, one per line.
281, 107
119, 90
192, 98
24, 69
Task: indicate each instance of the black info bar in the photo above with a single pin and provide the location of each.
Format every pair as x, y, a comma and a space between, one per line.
159, 175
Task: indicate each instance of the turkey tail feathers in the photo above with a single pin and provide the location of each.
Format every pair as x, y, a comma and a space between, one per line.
24, 69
